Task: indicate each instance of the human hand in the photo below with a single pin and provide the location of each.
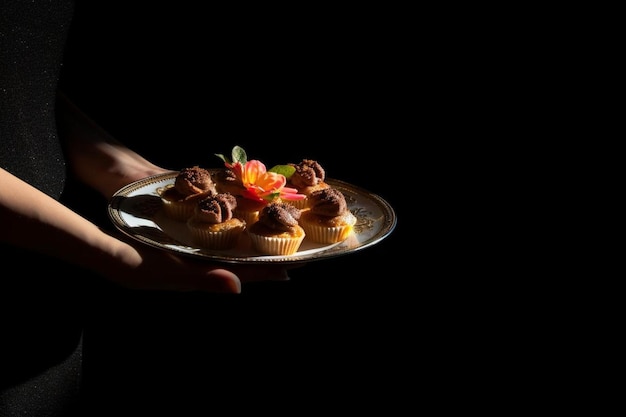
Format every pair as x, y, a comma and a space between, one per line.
147, 268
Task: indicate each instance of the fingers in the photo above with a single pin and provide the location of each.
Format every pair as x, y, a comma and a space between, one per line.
222, 281
229, 279
169, 271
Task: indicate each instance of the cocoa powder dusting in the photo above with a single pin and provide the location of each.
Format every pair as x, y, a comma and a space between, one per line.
217, 208
194, 180
308, 173
279, 216
328, 202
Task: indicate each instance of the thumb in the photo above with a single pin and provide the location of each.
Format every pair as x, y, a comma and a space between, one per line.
220, 281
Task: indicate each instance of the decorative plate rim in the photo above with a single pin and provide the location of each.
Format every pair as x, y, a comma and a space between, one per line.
376, 220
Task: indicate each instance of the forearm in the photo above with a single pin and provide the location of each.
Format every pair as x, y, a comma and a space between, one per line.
96, 158
33, 220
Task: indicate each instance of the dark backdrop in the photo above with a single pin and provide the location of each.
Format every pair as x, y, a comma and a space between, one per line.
179, 86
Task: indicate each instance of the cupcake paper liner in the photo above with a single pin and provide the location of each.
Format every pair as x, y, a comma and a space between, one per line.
276, 245
325, 234
224, 239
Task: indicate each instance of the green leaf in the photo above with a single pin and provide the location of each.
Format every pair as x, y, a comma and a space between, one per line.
239, 155
286, 170
272, 196
223, 158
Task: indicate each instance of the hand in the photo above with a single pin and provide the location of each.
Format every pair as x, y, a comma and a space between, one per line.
144, 267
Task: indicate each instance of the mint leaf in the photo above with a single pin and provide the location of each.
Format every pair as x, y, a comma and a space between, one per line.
239, 155
286, 170
223, 158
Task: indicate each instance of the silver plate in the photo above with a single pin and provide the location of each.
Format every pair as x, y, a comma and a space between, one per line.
136, 211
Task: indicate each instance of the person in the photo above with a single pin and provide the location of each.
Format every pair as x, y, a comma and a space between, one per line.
67, 280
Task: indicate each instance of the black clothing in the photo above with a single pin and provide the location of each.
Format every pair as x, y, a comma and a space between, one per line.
40, 320
33, 36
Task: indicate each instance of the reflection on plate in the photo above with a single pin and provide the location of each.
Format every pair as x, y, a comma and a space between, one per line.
136, 211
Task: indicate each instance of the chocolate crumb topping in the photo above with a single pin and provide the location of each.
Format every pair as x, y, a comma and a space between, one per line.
227, 182
217, 208
308, 173
328, 202
227, 175
194, 180
279, 216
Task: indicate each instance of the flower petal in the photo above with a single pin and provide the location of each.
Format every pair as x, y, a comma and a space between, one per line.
252, 171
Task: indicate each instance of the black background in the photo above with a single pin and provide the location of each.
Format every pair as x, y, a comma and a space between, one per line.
179, 85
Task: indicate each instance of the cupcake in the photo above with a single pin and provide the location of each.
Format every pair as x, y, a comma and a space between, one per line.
277, 231
327, 220
253, 184
309, 176
226, 181
190, 186
213, 225
248, 210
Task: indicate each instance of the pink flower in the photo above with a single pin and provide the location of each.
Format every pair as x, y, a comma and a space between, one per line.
262, 185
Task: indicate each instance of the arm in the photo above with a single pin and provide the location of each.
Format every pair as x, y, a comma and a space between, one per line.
96, 158
33, 220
